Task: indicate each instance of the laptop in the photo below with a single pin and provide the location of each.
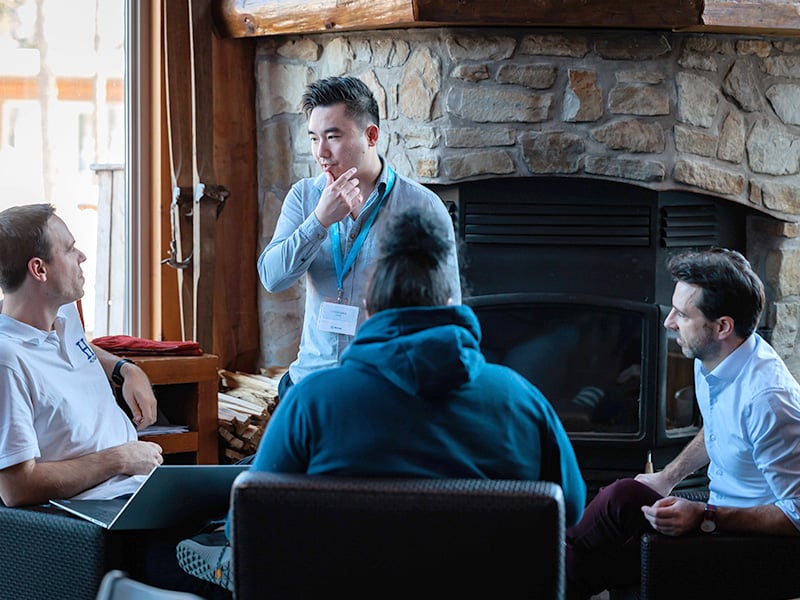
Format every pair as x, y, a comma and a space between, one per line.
171, 495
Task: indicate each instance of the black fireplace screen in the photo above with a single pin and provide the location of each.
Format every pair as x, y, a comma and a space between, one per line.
593, 361
588, 365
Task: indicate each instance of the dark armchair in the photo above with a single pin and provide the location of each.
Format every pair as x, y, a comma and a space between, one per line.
298, 536
717, 565
48, 554
720, 565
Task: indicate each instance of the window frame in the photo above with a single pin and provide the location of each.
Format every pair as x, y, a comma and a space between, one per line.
140, 320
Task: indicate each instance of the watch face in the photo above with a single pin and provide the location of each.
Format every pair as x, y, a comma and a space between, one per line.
707, 526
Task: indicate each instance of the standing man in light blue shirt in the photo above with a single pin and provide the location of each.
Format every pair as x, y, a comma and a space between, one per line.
330, 225
750, 404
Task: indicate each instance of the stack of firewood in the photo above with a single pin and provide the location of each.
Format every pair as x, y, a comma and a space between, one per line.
246, 402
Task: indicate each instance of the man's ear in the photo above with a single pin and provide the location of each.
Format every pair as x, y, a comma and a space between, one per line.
372, 133
725, 327
38, 269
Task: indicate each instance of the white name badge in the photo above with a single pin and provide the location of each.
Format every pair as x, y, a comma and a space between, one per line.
338, 318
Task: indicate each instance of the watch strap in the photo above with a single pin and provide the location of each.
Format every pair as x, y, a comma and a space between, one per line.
116, 374
711, 512
709, 522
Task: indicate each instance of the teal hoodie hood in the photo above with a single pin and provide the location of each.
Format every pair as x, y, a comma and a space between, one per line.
415, 397
425, 351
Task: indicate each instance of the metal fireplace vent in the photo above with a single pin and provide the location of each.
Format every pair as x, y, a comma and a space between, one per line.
532, 223
690, 225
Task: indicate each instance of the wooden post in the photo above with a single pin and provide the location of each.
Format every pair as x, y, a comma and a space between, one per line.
178, 65
110, 270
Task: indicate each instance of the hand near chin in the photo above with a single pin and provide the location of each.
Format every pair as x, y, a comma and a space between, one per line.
339, 197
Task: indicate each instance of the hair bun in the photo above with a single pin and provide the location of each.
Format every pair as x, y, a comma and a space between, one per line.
413, 234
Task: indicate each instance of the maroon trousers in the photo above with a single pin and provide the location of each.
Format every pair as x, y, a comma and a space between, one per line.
603, 548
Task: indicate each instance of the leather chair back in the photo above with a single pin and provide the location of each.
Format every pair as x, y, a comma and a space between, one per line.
299, 536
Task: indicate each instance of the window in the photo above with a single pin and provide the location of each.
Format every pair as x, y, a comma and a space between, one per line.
63, 127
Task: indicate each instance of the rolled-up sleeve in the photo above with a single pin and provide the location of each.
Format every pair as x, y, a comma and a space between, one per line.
775, 431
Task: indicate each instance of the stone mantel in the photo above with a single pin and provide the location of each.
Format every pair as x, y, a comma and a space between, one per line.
709, 113
252, 18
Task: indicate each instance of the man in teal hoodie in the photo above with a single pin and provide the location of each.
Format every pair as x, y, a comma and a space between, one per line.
413, 395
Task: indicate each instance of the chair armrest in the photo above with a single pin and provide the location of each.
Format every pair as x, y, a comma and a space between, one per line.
719, 565
48, 554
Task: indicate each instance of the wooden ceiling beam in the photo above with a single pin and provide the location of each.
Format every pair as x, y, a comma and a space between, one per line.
249, 18
642, 14
772, 18
253, 18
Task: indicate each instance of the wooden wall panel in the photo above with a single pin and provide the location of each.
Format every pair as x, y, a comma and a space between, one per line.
236, 322
236, 325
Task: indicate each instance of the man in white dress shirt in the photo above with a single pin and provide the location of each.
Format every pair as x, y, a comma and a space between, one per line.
750, 404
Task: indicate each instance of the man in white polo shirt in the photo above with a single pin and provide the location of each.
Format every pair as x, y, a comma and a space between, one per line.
62, 433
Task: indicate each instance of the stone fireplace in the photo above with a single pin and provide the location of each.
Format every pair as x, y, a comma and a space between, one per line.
715, 116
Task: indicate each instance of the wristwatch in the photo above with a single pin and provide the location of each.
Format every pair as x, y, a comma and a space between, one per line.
116, 375
709, 523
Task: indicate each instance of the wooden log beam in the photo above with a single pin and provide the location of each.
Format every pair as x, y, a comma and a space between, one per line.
754, 17
248, 18
642, 14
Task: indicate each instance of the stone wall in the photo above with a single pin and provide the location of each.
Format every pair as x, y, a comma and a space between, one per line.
713, 114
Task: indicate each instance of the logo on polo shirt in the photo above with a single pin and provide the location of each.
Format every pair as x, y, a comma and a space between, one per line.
84, 347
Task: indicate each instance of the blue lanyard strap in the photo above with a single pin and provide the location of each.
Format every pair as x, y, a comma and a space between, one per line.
341, 269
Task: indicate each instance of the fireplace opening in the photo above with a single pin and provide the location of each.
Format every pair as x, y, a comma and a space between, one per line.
589, 357
617, 381
568, 279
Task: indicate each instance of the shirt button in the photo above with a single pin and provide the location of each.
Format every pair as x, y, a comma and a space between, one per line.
712, 437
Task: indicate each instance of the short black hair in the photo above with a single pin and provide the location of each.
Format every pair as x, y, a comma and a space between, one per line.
730, 286
411, 269
23, 236
360, 104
